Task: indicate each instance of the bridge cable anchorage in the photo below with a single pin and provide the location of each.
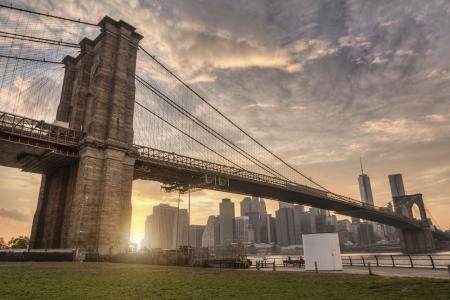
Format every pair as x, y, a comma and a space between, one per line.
189, 136
231, 122
47, 15
31, 59
28, 38
211, 131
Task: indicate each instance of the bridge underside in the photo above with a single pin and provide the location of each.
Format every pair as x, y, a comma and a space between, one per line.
33, 156
173, 175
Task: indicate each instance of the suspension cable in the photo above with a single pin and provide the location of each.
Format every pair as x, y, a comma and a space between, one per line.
31, 59
230, 121
28, 38
210, 130
47, 15
189, 136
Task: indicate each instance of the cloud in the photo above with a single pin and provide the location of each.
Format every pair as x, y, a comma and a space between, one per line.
14, 214
397, 130
439, 118
379, 60
260, 105
403, 52
298, 107
354, 42
438, 74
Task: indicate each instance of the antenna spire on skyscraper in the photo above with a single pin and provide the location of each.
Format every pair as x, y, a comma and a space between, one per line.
360, 162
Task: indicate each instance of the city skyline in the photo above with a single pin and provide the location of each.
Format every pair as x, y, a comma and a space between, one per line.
254, 226
357, 93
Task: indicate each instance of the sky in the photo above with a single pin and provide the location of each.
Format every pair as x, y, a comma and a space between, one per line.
322, 83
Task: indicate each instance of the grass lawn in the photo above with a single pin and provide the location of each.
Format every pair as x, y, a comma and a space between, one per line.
29, 280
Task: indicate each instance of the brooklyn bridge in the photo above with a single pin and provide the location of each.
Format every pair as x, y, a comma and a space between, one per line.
91, 110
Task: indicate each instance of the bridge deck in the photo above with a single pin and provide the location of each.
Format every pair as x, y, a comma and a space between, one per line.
35, 146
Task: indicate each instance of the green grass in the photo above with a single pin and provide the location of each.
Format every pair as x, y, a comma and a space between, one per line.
124, 281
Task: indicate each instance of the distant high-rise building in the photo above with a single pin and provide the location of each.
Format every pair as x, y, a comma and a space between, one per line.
344, 225
217, 237
148, 232
299, 212
343, 229
208, 237
226, 209
255, 209
390, 233
319, 211
366, 234
271, 230
163, 227
396, 183
196, 235
356, 220
308, 221
242, 230
285, 226
365, 189
183, 228
285, 204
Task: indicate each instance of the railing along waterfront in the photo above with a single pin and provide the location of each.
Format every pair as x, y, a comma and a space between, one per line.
432, 261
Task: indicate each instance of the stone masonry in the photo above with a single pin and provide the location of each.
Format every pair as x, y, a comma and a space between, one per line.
87, 205
414, 240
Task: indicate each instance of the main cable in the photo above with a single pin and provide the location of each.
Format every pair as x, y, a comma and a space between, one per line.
28, 38
47, 15
31, 59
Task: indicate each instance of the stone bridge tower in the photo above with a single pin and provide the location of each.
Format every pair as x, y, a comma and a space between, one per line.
414, 240
87, 205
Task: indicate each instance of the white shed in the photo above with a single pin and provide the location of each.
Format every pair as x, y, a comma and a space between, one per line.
324, 249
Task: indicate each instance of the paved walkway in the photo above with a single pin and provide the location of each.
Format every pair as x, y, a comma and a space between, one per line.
381, 271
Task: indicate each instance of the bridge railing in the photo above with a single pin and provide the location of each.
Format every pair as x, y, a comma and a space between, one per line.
432, 261
39, 130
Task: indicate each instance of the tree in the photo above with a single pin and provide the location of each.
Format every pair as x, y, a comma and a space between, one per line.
20, 242
3, 244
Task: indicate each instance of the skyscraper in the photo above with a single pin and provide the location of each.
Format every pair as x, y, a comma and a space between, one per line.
299, 212
255, 209
148, 232
163, 227
226, 209
196, 235
282, 204
285, 226
182, 229
241, 229
365, 189
396, 183
308, 221
208, 236
271, 230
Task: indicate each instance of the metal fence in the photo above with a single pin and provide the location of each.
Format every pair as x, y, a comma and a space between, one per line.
439, 261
